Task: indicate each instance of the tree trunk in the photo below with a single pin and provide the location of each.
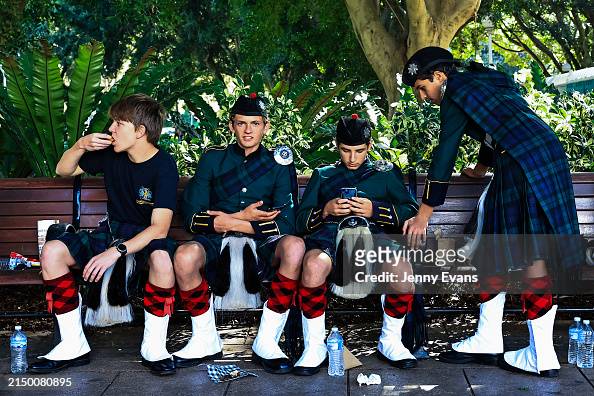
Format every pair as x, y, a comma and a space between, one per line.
383, 52
429, 22
434, 22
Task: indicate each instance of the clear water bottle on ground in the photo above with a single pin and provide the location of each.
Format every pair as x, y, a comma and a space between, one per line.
585, 344
18, 351
335, 357
574, 331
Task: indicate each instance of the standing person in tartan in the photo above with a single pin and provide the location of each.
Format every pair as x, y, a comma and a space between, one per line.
242, 188
530, 194
141, 182
382, 204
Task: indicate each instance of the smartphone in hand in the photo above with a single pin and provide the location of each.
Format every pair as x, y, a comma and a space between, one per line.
348, 192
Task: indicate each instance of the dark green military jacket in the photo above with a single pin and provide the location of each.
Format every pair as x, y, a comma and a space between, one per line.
226, 180
454, 124
392, 203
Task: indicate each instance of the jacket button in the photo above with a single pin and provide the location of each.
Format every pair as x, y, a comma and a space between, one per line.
244, 189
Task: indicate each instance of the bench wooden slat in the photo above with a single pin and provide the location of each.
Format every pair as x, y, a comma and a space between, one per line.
24, 277
585, 216
47, 208
27, 249
450, 217
24, 235
29, 221
454, 190
45, 195
37, 183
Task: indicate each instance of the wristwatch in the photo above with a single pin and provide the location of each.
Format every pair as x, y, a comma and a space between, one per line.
122, 249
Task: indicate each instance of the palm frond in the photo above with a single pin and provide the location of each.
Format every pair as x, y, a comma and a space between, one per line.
85, 83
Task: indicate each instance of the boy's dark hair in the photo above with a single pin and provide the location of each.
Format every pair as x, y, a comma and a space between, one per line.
140, 109
445, 68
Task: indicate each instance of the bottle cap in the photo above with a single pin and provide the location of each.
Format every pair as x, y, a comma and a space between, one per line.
577, 319
17, 328
335, 329
586, 321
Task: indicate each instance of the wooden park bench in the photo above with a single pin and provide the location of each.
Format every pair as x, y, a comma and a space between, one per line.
82, 201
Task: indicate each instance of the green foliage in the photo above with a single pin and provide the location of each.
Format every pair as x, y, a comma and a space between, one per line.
408, 138
12, 162
302, 37
34, 101
550, 32
126, 86
415, 126
26, 109
571, 116
127, 28
44, 112
218, 37
186, 152
302, 116
84, 86
11, 15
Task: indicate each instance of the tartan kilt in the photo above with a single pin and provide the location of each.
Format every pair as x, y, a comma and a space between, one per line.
265, 249
323, 239
516, 230
84, 244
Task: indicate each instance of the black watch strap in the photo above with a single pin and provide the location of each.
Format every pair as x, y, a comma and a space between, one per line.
122, 249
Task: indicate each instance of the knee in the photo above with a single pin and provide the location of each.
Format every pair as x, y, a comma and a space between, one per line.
315, 271
53, 254
292, 250
160, 262
188, 259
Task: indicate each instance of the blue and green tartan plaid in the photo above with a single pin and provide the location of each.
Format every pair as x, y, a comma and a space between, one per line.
492, 100
84, 244
231, 182
515, 227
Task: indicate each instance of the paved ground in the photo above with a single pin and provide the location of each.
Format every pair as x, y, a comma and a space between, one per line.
115, 368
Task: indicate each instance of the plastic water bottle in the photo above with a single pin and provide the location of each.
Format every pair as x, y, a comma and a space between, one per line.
18, 351
585, 344
574, 331
335, 357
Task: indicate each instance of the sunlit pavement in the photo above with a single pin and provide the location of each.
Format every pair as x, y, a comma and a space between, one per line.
115, 368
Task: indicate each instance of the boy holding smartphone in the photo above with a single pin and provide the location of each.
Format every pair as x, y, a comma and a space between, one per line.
354, 192
242, 188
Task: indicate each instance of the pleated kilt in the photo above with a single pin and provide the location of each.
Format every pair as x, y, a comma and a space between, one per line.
84, 245
516, 230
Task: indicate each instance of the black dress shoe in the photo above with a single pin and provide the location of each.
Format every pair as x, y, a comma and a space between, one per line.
307, 371
160, 367
545, 373
45, 366
274, 366
456, 357
401, 364
183, 363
